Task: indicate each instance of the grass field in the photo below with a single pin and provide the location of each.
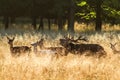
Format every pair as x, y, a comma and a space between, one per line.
71, 67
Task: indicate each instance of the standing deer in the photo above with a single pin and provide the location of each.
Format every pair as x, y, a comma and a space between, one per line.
42, 51
112, 46
72, 46
17, 49
57, 50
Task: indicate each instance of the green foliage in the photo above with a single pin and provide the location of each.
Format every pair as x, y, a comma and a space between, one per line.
111, 11
82, 3
85, 9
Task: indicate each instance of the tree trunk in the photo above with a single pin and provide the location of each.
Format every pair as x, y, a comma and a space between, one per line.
41, 26
55, 21
34, 23
60, 26
6, 22
98, 16
49, 24
12, 20
71, 17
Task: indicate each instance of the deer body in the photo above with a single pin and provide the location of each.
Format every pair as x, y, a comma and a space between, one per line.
82, 48
56, 50
85, 47
42, 51
20, 49
59, 50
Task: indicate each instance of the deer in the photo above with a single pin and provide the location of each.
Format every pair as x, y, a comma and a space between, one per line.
112, 46
49, 50
80, 48
40, 43
42, 50
17, 50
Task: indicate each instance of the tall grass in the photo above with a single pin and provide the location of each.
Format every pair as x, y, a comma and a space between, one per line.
71, 67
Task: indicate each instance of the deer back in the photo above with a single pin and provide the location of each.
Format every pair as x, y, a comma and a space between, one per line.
20, 49
82, 48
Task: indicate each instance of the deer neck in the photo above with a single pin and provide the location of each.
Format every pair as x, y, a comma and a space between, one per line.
35, 49
11, 47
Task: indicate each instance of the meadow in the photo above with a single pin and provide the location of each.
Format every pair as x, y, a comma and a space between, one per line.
70, 67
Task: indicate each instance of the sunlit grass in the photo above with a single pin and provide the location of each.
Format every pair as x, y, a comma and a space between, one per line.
71, 67
82, 27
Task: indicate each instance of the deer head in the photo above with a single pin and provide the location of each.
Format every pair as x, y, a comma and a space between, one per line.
112, 46
10, 42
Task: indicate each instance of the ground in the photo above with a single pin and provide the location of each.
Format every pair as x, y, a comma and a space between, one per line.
70, 67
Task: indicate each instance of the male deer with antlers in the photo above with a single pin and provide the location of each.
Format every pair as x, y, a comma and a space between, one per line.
72, 46
17, 49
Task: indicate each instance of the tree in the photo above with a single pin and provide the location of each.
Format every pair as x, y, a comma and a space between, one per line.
60, 11
98, 11
111, 11
107, 11
71, 16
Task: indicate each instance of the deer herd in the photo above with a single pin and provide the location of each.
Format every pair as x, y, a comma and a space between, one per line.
68, 45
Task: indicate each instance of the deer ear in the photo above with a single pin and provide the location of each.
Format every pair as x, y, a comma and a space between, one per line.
8, 38
72, 37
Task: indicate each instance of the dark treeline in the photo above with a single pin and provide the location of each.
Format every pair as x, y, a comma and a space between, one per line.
61, 11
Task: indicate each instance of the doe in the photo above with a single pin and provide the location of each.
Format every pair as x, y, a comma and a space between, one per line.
17, 49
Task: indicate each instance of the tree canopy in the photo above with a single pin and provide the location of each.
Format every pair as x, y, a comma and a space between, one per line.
98, 11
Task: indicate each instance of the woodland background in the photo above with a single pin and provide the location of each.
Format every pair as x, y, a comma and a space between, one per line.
40, 13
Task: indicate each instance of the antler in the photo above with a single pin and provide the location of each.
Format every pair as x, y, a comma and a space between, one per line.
82, 38
71, 38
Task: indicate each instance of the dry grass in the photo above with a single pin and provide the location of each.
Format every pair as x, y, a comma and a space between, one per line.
71, 67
